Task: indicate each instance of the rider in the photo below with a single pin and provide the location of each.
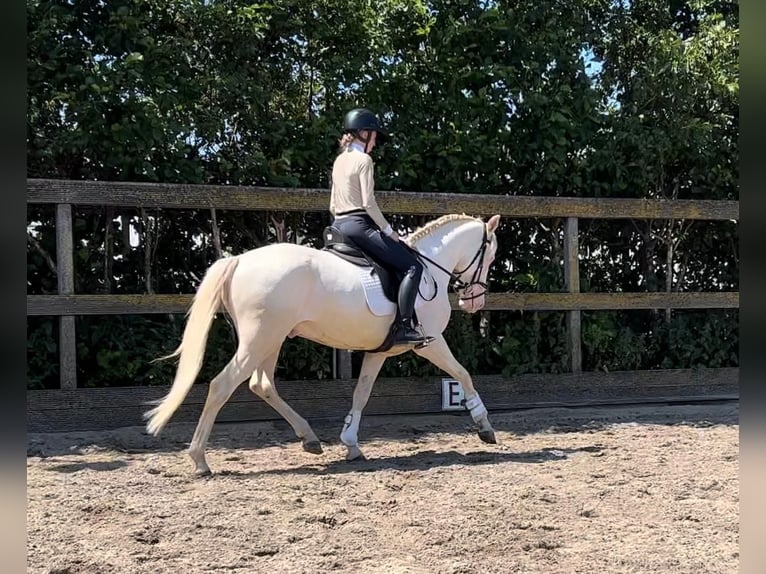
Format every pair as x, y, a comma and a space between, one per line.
358, 217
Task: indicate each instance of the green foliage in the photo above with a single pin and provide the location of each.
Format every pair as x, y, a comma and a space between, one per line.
694, 339
614, 340
120, 351
534, 343
610, 344
588, 98
673, 73
302, 359
42, 353
117, 350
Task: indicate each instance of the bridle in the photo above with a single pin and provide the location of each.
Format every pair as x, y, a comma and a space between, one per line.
460, 285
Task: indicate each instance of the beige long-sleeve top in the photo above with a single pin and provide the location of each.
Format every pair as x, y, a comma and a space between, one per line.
353, 186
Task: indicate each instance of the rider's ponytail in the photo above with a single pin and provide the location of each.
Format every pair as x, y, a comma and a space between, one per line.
345, 141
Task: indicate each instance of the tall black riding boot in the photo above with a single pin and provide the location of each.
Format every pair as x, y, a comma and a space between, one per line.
408, 292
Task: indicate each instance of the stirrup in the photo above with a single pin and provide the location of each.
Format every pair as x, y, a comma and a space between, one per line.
427, 341
422, 340
401, 339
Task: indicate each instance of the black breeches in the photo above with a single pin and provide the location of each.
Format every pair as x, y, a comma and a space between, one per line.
363, 231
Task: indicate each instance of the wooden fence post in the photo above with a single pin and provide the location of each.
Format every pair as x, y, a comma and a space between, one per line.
65, 268
342, 364
572, 280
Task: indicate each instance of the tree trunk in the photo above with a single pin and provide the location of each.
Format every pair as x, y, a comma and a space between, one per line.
647, 260
669, 277
280, 230
125, 225
216, 235
43, 253
108, 249
148, 250
646, 255
309, 112
557, 253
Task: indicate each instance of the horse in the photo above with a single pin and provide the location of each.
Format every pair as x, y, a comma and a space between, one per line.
286, 290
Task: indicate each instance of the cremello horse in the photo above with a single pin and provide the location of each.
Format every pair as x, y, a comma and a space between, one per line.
287, 290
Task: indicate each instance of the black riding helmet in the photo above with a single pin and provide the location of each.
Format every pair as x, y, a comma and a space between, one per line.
363, 119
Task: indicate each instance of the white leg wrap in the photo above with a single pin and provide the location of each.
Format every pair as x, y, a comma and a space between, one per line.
477, 408
348, 435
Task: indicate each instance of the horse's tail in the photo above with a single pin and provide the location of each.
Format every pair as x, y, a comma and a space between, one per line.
206, 303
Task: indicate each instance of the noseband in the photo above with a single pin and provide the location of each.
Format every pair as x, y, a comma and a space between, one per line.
459, 285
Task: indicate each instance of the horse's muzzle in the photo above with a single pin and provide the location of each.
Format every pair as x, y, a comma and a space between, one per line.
471, 302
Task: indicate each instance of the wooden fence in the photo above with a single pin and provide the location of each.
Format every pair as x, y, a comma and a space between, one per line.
71, 408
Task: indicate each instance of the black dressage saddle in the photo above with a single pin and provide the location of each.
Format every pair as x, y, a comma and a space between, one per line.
338, 244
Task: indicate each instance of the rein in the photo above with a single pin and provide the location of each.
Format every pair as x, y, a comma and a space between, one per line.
459, 284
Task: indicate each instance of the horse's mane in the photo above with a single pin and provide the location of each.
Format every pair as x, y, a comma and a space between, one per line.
432, 226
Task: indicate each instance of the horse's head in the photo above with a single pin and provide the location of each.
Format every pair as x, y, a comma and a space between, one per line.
473, 267
463, 248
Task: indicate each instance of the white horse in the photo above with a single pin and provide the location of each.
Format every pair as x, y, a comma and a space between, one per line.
287, 290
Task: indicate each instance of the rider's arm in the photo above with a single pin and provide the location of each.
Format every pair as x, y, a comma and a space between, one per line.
367, 183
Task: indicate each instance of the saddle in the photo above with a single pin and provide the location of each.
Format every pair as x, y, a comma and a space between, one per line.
338, 244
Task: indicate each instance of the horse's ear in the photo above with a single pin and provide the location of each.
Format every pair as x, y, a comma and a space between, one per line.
493, 222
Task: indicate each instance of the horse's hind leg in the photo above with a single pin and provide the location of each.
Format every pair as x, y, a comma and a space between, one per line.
220, 390
262, 384
254, 338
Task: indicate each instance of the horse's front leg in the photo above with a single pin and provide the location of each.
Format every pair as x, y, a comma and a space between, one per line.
440, 355
349, 435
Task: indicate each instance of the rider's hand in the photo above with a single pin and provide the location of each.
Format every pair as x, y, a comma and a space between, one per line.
395, 236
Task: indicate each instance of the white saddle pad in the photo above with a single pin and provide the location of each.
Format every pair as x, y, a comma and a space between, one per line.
373, 292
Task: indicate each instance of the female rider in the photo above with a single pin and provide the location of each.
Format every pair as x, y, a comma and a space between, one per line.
358, 217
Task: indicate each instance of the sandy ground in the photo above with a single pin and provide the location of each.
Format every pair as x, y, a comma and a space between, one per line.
608, 490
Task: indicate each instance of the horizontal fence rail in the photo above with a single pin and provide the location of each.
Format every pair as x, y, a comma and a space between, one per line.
58, 305
222, 197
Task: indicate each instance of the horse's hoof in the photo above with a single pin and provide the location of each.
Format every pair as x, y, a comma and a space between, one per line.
355, 453
488, 436
312, 446
202, 472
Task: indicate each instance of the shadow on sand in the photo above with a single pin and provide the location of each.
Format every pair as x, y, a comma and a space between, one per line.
87, 465
421, 460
